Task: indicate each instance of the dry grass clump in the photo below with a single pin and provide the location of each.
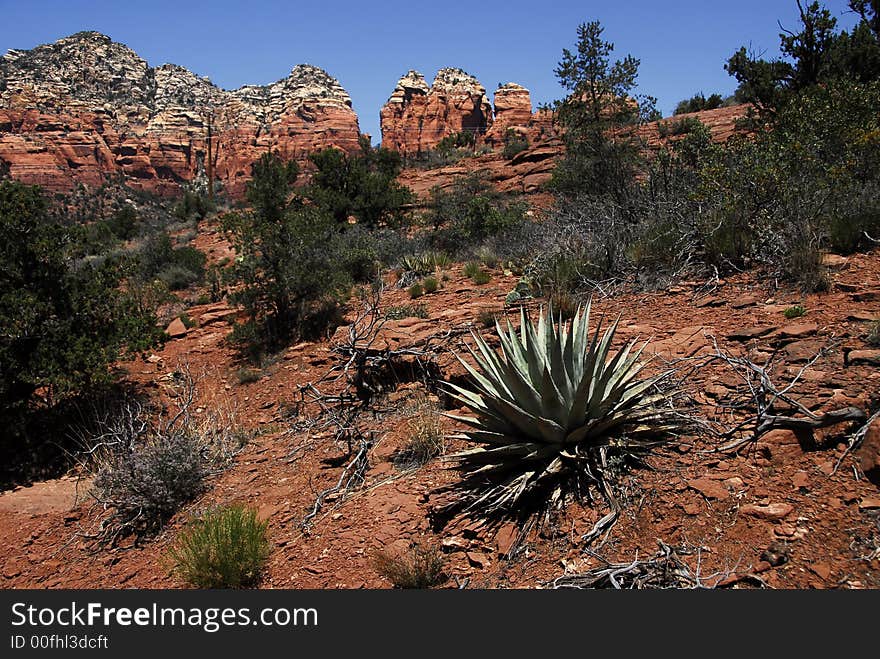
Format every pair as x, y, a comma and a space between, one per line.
420, 566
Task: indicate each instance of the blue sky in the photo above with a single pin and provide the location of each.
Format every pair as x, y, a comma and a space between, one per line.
682, 45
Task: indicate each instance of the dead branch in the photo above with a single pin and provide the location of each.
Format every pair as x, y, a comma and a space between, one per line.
762, 399
856, 439
351, 478
666, 569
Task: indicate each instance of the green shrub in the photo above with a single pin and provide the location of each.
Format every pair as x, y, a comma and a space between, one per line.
226, 547
486, 317
177, 268
407, 311
679, 127
471, 268
481, 277
293, 264
487, 256
177, 278
430, 284
415, 291
123, 223
546, 409
514, 143
698, 103
248, 375
794, 311
146, 483
362, 185
461, 140
64, 320
470, 212
564, 304
421, 566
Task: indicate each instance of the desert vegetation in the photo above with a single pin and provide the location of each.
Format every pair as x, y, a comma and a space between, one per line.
484, 375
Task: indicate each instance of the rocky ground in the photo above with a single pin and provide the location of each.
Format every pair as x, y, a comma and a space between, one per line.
782, 512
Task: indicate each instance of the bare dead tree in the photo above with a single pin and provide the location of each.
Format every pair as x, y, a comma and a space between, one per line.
348, 393
757, 409
666, 569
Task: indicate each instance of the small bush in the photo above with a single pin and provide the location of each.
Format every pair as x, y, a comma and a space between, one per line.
177, 278
425, 440
148, 483
514, 143
471, 268
415, 291
430, 284
873, 337
225, 548
794, 311
421, 566
487, 257
470, 212
486, 317
426, 263
481, 277
177, 268
680, 127
248, 375
407, 311
188, 322
563, 303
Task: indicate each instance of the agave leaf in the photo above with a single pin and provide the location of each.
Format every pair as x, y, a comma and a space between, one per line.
552, 401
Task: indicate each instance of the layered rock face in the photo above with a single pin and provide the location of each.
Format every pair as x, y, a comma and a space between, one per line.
85, 108
416, 117
513, 108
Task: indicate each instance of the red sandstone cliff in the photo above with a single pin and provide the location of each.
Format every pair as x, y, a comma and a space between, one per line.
85, 108
416, 117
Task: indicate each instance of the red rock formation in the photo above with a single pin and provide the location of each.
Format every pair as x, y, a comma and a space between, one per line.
86, 108
416, 117
529, 170
513, 110
721, 123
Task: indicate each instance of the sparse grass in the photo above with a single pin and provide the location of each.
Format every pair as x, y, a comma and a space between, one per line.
415, 291
421, 566
794, 311
564, 303
487, 257
407, 311
482, 277
486, 317
471, 269
188, 322
430, 284
248, 375
226, 547
425, 437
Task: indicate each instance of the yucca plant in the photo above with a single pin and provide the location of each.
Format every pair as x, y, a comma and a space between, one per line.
552, 411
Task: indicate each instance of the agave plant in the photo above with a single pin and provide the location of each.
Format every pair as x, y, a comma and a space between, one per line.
550, 407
